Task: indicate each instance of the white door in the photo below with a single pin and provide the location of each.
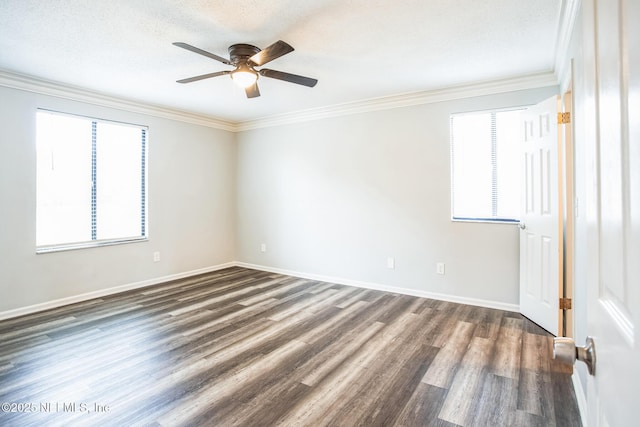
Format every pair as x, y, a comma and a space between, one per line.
540, 218
614, 212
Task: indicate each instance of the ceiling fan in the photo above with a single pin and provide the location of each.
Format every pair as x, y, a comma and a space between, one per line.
245, 58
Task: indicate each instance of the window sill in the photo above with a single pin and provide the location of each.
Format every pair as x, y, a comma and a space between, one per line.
84, 245
487, 220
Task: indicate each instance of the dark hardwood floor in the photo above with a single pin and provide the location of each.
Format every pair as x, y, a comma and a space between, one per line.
250, 348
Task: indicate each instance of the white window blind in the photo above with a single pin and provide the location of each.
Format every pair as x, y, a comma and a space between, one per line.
485, 165
91, 182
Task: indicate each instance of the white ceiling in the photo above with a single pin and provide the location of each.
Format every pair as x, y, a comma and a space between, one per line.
357, 49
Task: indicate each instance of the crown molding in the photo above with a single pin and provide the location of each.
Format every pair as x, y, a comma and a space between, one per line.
46, 87
531, 81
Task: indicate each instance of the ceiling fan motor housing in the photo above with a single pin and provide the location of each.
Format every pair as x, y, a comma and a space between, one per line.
241, 52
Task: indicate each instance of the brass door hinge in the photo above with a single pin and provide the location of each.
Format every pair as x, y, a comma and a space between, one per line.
565, 303
564, 118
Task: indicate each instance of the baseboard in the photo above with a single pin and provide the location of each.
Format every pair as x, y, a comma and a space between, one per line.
380, 287
109, 291
580, 397
342, 281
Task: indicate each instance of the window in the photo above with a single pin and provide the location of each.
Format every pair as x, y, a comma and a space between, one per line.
91, 182
485, 165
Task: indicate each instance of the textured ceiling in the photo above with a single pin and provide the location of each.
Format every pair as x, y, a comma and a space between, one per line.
357, 49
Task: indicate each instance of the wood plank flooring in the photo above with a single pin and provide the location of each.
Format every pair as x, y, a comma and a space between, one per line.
249, 348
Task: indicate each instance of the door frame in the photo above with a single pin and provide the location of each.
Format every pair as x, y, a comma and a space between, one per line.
567, 203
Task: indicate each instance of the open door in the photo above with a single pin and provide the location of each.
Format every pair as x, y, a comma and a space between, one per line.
613, 211
540, 223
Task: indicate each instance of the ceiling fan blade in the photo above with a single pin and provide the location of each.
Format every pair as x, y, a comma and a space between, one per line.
203, 76
252, 91
202, 52
288, 77
270, 53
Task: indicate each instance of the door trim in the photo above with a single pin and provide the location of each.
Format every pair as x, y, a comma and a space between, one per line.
567, 210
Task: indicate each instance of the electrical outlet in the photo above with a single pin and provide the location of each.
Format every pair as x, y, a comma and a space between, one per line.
156, 257
440, 268
391, 263
263, 247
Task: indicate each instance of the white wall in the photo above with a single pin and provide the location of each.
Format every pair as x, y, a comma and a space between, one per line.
332, 197
337, 196
191, 213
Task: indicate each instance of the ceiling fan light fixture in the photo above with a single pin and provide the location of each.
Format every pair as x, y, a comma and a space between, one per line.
244, 76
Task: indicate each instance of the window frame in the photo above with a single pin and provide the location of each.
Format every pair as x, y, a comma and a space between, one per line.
493, 112
144, 204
